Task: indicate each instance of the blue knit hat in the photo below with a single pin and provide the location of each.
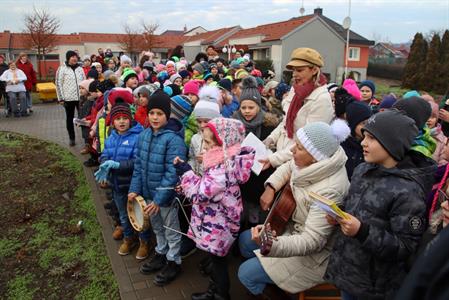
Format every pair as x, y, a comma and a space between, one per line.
281, 89
369, 84
181, 107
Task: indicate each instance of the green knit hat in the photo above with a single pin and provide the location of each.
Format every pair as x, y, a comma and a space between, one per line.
127, 74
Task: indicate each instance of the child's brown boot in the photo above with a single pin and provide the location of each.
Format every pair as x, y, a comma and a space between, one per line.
143, 250
128, 244
118, 233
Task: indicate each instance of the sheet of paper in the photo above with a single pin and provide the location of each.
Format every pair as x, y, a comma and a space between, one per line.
80, 122
326, 208
261, 151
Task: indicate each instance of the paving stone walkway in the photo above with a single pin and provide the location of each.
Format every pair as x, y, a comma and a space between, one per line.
48, 123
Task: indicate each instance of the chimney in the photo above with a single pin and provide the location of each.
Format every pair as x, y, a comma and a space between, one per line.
318, 11
185, 28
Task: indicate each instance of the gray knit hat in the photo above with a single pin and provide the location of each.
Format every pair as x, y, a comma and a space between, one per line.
394, 131
322, 140
207, 106
250, 90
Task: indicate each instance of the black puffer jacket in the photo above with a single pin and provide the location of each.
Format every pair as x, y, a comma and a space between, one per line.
390, 203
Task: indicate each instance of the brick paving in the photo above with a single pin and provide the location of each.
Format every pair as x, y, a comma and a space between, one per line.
48, 123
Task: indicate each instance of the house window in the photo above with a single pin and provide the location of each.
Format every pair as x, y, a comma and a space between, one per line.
354, 54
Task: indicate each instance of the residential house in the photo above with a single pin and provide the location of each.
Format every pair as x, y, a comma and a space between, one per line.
11, 44
386, 53
276, 41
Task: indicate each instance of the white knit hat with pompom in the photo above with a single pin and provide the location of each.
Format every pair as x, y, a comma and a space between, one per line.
322, 140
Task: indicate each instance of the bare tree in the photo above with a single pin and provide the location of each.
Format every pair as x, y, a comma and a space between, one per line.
41, 33
129, 42
135, 41
148, 30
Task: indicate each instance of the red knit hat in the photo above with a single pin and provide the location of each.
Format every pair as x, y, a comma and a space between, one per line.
120, 109
122, 93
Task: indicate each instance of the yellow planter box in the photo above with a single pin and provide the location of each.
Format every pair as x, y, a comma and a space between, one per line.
47, 91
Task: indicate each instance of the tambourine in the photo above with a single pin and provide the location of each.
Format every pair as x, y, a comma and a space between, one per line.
138, 219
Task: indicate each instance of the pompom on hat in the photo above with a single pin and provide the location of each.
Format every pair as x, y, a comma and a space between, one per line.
250, 91
322, 140
351, 87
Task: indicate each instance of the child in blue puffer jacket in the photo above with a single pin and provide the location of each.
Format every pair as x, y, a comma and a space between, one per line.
117, 161
154, 178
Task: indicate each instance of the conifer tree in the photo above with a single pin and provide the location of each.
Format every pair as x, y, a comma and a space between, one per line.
413, 71
432, 70
443, 81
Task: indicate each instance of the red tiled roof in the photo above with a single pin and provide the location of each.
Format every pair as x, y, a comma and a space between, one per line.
87, 37
272, 31
210, 36
4, 39
168, 41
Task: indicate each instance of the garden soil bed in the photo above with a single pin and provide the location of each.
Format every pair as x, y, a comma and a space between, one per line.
44, 253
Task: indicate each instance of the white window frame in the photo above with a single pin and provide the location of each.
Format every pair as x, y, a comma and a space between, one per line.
354, 50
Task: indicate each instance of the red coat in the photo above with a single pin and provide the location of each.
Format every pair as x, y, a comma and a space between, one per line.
141, 114
28, 69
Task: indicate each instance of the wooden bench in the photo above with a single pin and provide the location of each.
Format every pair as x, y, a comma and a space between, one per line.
323, 291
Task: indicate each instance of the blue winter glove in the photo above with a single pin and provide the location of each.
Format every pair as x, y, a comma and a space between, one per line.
182, 167
110, 164
101, 175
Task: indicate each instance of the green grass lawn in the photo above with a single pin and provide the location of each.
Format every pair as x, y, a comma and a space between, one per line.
42, 257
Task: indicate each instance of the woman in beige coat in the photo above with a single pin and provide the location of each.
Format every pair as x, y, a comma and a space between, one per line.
298, 259
308, 101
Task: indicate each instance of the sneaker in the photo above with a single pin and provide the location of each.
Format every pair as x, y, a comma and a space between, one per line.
25, 114
128, 244
30, 111
117, 234
155, 264
188, 247
143, 250
170, 271
72, 143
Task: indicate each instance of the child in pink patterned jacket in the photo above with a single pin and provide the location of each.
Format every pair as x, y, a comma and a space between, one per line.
216, 200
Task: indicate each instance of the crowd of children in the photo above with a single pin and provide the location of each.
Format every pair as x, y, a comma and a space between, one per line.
175, 130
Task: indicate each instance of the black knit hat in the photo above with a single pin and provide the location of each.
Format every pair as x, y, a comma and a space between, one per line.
160, 100
93, 86
120, 109
357, 112
342, 99
105, 85
225, 84
416, 108
394, 131
69, 54
93, 73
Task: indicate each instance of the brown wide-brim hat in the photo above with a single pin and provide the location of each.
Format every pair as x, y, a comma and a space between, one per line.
305, 57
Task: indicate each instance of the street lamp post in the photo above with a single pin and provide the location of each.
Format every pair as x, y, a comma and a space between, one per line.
347, 26
229, 49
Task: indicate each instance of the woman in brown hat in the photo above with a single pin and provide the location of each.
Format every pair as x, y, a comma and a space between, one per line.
308, 101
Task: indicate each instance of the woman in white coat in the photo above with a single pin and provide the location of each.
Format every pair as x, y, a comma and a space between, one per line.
297, 260
308, 101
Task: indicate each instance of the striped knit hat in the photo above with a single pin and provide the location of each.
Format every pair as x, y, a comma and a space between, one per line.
181, 107
120, 109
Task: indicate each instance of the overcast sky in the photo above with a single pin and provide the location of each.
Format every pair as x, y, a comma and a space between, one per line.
395, 20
